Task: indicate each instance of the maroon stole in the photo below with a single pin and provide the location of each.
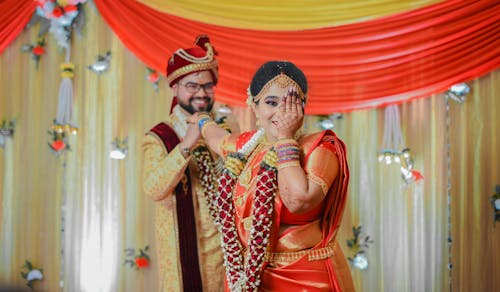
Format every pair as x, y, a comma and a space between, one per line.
188, 248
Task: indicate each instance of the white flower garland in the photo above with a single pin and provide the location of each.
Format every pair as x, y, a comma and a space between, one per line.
246, 276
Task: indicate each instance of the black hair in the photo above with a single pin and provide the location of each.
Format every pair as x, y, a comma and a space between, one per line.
271, 69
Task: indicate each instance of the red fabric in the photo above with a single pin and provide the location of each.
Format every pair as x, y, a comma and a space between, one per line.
176, 62
361, 65
14, 16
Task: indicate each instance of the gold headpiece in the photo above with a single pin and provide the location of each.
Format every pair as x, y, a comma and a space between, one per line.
283, 81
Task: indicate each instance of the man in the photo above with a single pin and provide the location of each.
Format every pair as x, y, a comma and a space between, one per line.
187, 241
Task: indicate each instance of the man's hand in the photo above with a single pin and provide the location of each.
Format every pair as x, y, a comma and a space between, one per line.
192, 136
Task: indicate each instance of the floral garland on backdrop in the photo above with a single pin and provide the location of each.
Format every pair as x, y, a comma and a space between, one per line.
60, 17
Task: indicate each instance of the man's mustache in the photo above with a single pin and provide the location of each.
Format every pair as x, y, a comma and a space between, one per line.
206, 98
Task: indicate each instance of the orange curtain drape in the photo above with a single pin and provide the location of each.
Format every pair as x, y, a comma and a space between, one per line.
367, 64
14, 16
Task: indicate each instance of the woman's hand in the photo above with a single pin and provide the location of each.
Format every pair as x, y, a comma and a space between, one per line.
290, 114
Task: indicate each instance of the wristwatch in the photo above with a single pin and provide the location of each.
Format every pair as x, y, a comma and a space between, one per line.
186, 151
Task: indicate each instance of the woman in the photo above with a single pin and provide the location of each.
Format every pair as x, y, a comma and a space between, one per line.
281, 195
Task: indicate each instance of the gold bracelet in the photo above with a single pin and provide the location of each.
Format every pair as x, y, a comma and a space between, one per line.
186, 151
288, 164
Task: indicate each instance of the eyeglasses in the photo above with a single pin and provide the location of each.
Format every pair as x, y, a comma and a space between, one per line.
192, 87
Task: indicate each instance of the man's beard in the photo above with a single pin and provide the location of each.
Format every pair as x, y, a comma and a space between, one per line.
190, 108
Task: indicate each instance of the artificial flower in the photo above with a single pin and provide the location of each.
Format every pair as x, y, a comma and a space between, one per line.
417, 175
36, 50
153, 77
58, 145
32, 274
358, 245
57, 12
141, 262
6, 130
137, 260
59, 141
102, 64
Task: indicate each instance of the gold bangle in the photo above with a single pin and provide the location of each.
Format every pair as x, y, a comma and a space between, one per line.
288, 164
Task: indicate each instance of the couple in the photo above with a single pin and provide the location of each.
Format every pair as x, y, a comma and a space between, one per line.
268, 221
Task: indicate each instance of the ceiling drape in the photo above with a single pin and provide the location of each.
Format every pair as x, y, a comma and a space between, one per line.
283, 15
367, 64
14, 16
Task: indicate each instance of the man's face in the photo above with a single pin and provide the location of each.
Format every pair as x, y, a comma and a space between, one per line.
195, 92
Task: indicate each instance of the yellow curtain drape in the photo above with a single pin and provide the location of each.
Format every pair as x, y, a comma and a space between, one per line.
475, 170
105, 210
409, 224
283, 15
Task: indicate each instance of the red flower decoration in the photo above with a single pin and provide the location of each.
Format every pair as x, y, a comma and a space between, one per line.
70, 8
153, 77
58, 145
141, 262
57, 12
38, 50
417, 175
137, 260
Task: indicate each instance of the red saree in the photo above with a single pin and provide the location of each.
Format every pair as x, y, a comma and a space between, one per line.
305, 257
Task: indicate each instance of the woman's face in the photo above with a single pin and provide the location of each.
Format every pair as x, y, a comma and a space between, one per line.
267, 108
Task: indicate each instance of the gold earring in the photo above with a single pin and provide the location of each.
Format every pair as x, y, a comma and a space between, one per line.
257, 123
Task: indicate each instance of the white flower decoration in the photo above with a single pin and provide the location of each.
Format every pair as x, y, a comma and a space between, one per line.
34, 275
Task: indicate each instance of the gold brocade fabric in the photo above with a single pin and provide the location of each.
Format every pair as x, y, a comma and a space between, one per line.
162, 172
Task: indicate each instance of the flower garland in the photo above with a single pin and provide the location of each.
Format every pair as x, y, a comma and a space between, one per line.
208, 178
247, 277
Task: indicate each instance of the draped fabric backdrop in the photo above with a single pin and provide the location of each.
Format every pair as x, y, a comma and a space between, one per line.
366, 64
105, 210
279, 15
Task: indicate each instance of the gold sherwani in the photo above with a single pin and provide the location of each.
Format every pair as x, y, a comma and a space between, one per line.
162, 172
